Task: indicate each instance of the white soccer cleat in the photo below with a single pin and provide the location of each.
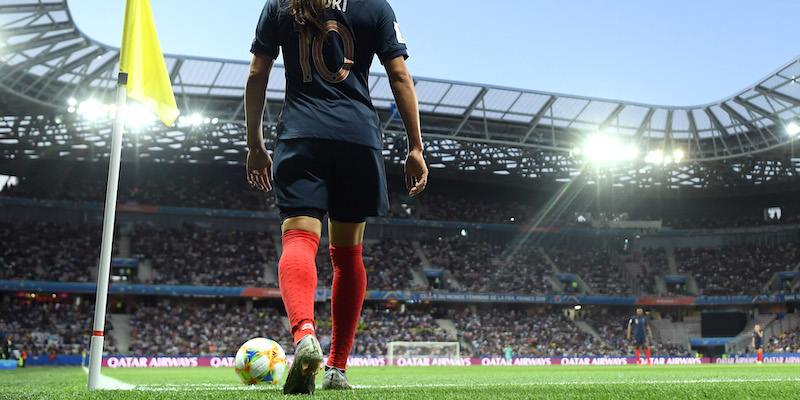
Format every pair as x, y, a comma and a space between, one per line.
335, 379
306, 365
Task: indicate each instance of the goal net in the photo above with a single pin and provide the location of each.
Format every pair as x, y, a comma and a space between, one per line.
402, 353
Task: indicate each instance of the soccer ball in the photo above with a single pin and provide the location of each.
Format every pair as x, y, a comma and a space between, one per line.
260, 360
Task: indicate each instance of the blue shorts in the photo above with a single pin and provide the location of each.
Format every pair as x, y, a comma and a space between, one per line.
314, 176
640, 339
759, 346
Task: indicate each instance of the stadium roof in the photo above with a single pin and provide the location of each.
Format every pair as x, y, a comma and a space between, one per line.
50, 72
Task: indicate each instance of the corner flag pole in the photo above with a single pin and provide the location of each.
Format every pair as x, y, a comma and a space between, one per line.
143, 77
104, 270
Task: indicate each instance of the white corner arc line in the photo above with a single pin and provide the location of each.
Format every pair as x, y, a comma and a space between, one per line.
107, 383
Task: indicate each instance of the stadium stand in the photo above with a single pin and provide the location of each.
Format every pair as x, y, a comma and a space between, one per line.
613, 329
195, 330
739, 270
172, 187
51, 327
388, 264
484, 267
191, 255
219, 330
378, 326
488, 332
595, 266
48, 251
787, 342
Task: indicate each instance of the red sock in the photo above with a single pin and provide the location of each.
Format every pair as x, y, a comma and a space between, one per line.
349, 287
647, 353
637, 355
297, 275
760, 356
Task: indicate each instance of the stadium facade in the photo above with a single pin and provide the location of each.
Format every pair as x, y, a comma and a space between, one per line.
50, 67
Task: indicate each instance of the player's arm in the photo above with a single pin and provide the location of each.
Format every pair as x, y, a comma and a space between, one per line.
629, 330
405, 95
649, 331
259, 163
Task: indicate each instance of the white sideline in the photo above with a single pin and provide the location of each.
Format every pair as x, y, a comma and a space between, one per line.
107, 383
236, 387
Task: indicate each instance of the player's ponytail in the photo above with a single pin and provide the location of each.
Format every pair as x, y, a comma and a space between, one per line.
309, 19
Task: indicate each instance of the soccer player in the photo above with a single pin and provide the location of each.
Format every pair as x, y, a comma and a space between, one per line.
758, 343
328, 156
640, 327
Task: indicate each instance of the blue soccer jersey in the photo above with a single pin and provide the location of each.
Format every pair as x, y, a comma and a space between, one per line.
327, 88
759, 343
639, 325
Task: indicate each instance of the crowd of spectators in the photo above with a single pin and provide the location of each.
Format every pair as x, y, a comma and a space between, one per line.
489, 332
726, 222
226, 188
595, 266
50, 327
219, 330
173, 189
489, 267
378, 326
193, 330
736, 270
48, 251
654, 262
787, 342
459, 208
192, 255
388, 264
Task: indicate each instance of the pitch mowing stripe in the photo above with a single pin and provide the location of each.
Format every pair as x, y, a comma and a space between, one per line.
228, 387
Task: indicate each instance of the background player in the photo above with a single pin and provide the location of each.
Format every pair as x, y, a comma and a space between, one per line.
328, 156
758, 343
641, 331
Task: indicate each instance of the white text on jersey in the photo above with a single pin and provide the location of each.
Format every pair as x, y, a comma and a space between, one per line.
340, 5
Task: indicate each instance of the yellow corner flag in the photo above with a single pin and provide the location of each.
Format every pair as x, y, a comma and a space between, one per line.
141, 58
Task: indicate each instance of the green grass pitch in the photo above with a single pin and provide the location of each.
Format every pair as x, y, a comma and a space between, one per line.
513, 382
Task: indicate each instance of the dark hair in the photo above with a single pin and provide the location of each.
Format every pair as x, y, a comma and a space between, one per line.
309, 19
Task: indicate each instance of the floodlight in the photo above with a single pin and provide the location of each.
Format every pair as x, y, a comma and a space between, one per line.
92, 110
655, 157
577, 307
631, 152
196, 119
793, 129
601, 148
138, 115
72, 102
215, 121
678, 155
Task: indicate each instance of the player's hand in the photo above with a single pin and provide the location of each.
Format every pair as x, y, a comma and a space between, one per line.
416, 173
629, 337
259, 169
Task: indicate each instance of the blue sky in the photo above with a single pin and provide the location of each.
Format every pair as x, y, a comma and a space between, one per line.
676, 52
